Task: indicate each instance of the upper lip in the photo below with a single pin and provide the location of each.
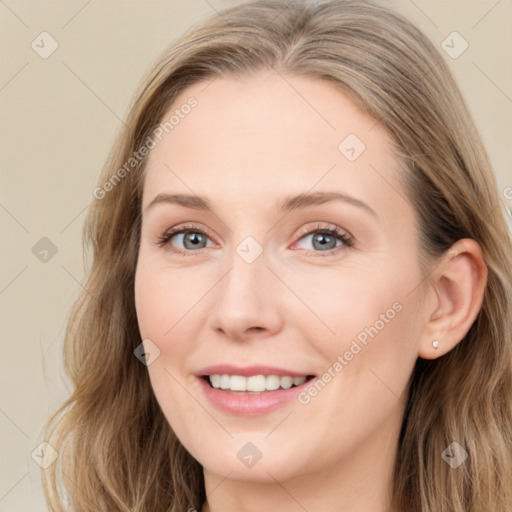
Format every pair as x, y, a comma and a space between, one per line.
229, 369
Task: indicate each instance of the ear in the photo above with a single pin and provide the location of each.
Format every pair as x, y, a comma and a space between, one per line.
455, 295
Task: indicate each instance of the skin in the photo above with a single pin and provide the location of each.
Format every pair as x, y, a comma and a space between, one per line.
250, 142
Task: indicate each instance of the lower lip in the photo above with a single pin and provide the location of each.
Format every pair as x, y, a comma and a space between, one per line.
250, 405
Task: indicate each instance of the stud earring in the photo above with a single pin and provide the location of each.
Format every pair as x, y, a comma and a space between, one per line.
435, 344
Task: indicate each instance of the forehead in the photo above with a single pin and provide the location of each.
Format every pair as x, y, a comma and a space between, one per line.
267, 135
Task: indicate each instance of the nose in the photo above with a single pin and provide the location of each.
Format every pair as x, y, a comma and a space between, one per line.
247, 300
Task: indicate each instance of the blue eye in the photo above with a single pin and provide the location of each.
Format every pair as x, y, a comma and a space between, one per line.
193, 242
325, 237
194, 238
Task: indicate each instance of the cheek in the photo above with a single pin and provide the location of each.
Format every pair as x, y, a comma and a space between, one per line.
165, 299
151, 302
168, 302
161, 304
370, 330
346, 305
368, 364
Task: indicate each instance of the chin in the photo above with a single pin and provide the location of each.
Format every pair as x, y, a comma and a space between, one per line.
250, 457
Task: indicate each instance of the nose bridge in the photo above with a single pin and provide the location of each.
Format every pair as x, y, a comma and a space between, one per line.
246, 298
242, 286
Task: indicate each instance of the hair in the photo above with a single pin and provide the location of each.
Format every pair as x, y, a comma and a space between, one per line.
116, 450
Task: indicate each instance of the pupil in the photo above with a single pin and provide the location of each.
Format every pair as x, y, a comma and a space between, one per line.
322, 239
194, 238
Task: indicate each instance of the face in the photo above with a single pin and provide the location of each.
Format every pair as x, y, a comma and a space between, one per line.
291, 263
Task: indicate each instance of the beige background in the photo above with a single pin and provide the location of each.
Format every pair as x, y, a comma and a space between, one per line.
59, 116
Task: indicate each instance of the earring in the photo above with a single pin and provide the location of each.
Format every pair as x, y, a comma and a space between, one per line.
435, 343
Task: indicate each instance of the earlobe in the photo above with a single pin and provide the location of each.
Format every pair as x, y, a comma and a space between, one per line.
457, 290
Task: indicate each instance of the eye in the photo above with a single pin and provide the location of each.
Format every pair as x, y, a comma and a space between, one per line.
325, 239
191, 236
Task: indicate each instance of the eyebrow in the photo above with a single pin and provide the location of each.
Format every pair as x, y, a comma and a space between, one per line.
288, 204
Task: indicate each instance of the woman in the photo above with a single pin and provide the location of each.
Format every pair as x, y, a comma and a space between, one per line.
300, 289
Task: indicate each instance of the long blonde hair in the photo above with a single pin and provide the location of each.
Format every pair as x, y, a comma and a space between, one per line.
116, 450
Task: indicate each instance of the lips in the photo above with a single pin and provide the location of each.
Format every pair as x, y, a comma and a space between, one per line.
248, 371
251, 390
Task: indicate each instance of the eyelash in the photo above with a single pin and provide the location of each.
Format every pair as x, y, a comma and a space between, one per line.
192, 228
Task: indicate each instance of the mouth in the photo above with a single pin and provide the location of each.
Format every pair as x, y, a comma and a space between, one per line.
254, 384
251, 391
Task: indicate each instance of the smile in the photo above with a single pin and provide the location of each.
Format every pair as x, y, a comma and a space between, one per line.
254, 383
250, 391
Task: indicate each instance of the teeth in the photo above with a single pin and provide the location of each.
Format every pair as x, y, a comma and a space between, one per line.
237, 383
224, 381
297, 381
215, 380
254, 383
